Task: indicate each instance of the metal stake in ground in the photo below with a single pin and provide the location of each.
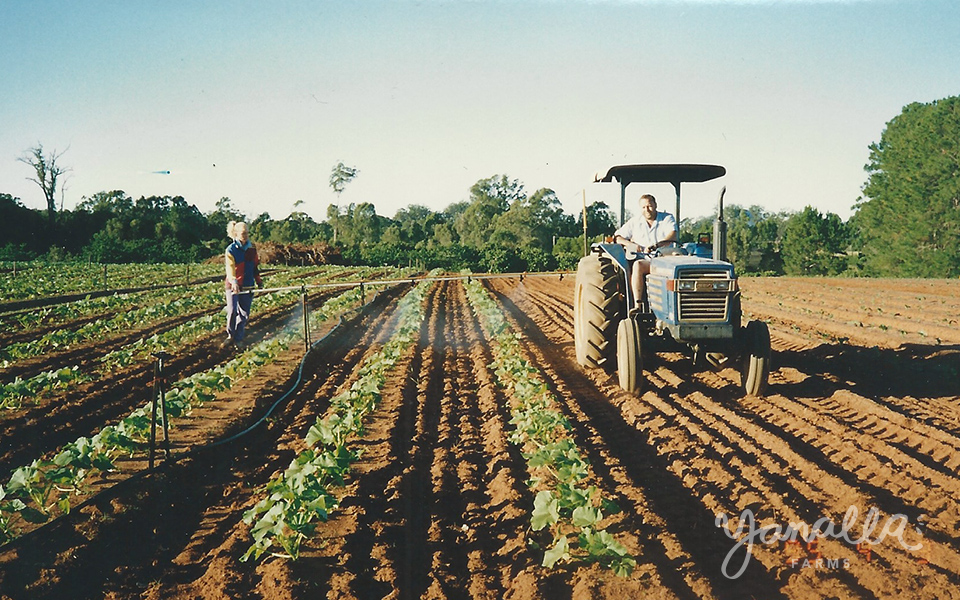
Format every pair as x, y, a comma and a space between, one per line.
306, 321
158, 392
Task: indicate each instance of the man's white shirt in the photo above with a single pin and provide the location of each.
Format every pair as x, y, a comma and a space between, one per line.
638, 231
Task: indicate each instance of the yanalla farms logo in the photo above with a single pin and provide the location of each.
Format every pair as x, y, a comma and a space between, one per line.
747, 533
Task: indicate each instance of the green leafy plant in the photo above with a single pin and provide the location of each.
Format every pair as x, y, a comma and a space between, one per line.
562, 506
304, 493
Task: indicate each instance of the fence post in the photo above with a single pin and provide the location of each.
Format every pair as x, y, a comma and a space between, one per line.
306, 320
159, 398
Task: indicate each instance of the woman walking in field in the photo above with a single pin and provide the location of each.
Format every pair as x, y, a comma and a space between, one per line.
242, 273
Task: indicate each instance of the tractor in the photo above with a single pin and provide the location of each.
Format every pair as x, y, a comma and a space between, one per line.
690, 302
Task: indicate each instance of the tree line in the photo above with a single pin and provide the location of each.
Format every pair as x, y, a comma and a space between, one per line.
906, 224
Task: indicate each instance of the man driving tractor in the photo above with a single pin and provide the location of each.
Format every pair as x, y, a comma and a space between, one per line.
644, 234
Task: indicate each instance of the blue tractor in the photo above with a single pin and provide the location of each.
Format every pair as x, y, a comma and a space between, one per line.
691, 302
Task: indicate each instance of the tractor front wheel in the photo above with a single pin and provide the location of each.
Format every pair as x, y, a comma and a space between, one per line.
755, 362
629, 357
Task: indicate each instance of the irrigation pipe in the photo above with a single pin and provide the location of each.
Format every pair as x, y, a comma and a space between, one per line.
411, 280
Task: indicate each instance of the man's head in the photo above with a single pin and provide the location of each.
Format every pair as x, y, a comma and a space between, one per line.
648, 207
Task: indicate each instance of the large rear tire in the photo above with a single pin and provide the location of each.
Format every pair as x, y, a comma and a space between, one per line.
755, 366
629, 357
597, 310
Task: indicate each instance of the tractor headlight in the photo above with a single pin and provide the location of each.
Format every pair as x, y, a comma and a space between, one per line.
701, 285
721, 286
681, 285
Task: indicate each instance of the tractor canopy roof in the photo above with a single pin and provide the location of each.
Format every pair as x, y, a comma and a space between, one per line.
675, 174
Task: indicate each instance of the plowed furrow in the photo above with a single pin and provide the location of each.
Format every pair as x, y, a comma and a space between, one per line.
814, 480
939, 414
639, 442
884, 474
432, 512
179, 531
355, 557
938, 450
475, 533
847, 467
772, 471
938, 298
783, 339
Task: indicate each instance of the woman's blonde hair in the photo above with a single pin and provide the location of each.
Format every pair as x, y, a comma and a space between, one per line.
232, 227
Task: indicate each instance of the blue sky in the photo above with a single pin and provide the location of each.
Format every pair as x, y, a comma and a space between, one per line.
257, 102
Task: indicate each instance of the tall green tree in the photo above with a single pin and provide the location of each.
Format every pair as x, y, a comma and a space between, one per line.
21, 229
908, 221
814, 244
489, 198
297, 228
340, 176
533, 222
753, 238
110, 203
600, 220
416, 224
223, 213
360, 224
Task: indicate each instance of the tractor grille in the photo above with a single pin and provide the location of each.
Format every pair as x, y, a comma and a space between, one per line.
703, 305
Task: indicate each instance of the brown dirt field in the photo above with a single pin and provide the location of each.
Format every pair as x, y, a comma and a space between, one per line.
863, 410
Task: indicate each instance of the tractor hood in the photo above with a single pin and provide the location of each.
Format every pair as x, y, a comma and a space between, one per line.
670, 266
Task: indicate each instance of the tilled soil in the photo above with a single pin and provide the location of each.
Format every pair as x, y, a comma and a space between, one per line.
857, 415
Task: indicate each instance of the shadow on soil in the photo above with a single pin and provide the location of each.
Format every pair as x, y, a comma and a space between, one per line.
919, 371
682, 511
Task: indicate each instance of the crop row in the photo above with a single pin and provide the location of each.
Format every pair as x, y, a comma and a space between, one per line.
68, 311
35, 280
13, 394
103, 306
37, 491
305, 492
563, 506
107, 326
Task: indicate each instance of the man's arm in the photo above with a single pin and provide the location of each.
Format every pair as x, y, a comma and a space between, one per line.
670, 236
623, 235
667, 239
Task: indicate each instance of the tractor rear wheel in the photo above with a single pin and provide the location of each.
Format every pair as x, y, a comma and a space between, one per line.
629, 358
597, 308
755, 365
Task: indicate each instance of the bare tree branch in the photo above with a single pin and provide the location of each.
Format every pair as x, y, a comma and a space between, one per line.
48, 173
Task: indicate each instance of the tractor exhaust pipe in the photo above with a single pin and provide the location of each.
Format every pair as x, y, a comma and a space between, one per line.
720, 231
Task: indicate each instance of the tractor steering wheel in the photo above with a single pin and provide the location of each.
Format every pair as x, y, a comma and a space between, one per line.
638, 252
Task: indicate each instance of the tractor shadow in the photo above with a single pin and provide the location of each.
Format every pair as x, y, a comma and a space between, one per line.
915, 370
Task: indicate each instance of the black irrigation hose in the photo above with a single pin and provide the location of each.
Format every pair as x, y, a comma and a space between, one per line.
286, 394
